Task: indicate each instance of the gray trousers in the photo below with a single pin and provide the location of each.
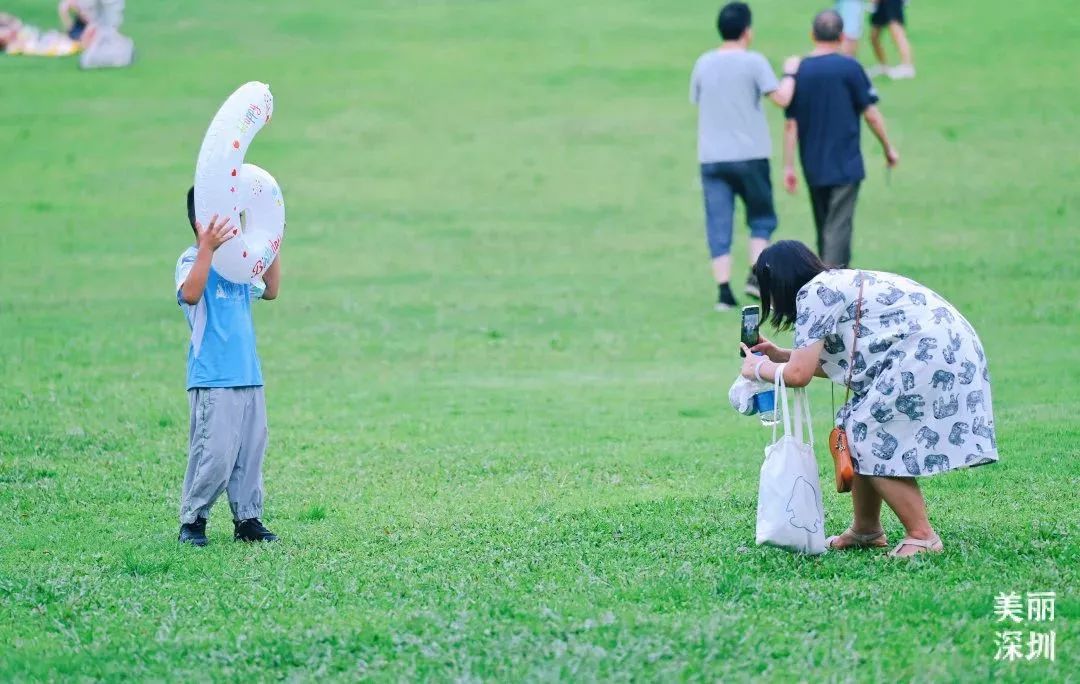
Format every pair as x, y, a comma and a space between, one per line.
834, 212
225, 453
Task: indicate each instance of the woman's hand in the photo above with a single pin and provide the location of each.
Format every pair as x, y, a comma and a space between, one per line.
751, 364
775, 354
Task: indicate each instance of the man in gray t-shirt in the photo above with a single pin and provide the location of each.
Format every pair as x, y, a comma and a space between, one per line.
734, 146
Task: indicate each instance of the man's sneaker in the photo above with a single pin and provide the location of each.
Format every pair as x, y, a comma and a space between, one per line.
193, 533
252, 529
902, 71
724, 299
752, 287
876, 70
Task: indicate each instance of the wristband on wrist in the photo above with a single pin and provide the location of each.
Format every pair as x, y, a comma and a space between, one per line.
757, 369
788, 74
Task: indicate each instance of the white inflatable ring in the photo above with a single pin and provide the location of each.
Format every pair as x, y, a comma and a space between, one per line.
248, 195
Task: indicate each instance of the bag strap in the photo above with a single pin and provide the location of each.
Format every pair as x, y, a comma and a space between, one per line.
855, 340
802, 416
780, 402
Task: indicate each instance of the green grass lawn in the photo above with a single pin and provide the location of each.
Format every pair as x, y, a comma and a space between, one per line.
501, 445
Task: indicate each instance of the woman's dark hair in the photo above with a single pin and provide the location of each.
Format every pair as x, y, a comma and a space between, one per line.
733, 21
781, 271
191, 207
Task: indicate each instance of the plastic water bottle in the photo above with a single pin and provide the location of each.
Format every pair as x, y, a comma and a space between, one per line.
767, 410
765, 405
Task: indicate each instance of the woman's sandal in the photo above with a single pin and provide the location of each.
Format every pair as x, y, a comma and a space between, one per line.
873, 540
932, 545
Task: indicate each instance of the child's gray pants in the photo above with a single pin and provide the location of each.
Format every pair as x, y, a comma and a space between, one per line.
225, 453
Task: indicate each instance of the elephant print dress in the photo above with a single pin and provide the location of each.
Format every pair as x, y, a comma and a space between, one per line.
920, 384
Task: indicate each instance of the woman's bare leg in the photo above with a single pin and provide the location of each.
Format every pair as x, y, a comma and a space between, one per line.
866, 504
903, 496
866, 518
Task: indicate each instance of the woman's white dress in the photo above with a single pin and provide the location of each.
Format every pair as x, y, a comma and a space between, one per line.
920, 383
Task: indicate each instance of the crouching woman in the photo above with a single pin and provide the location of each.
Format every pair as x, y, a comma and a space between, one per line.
920, 387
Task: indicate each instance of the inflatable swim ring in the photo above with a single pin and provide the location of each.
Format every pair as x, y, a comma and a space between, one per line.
247, 194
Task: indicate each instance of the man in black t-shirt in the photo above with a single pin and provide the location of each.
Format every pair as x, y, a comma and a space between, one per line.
831, 92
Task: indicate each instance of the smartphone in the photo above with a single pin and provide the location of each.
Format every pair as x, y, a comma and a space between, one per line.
751, 321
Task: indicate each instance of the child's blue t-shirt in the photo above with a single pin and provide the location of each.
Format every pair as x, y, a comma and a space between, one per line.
222, 351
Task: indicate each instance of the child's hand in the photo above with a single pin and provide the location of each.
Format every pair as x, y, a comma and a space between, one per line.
216, 234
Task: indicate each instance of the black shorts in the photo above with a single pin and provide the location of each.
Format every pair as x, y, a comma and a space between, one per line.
886, 12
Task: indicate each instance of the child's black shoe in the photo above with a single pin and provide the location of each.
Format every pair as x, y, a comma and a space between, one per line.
193, 533
251, 530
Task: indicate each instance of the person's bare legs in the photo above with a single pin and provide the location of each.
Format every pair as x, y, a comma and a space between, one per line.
866, 513
866, 506
721, 268
879, 49
903, 496
849, 46
757, 246
899, 36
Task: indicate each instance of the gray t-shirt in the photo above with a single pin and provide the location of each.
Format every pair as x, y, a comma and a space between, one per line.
727, 86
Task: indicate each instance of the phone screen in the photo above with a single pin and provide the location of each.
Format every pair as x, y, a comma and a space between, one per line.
751, 321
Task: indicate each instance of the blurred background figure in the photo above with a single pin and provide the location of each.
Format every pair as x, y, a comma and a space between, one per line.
72, 18
17, 38
103, 44
831, 92
9, 30
727, 85
851, 11
890, 14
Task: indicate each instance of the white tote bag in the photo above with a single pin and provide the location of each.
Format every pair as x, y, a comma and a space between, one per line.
790, 513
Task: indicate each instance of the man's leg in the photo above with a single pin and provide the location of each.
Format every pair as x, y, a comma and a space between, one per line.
211, 452
719, 214
246, 480
757, 246
721, 269
839, 225
757, 194
819, 203
904, 497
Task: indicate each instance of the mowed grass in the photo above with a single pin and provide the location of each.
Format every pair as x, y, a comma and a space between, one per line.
501, 446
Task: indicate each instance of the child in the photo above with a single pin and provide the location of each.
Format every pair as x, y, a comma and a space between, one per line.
227, 438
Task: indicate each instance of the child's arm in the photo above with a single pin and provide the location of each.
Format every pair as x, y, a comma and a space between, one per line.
272, 279
209, 240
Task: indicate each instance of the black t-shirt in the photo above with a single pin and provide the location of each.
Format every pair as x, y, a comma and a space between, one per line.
831, 93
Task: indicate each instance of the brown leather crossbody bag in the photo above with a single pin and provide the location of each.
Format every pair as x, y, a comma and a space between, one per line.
838, 439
